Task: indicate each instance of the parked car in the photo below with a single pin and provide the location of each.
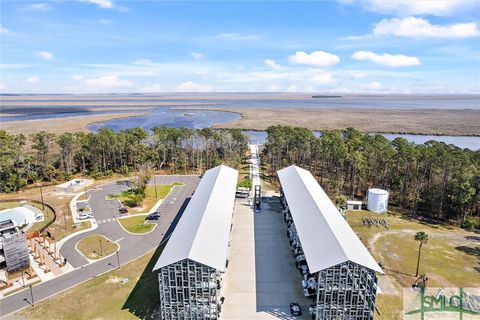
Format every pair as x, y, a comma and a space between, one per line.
295, 309
85, 215
153, 216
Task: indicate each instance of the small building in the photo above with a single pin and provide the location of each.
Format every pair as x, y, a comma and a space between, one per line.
73, 186
191, 265
339, 272
377, 200
354, 205
13, 247
22, 215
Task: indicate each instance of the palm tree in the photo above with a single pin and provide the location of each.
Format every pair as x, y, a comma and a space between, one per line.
422, 237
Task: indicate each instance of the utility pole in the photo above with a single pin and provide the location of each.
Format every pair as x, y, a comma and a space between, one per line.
118, 260
65, 215
41, 195
155, 184
23, 280
31, 295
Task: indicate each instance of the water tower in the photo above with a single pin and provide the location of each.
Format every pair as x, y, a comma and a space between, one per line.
377, 200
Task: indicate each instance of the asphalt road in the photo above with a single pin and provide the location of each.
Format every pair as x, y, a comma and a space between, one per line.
131, 246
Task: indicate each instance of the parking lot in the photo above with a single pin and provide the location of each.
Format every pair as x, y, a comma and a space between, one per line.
261, 279
106, 212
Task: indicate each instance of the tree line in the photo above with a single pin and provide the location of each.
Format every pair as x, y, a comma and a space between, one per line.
433, 179
45, 156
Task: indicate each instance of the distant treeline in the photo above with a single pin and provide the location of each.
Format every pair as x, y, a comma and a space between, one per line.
433, 180
48, 157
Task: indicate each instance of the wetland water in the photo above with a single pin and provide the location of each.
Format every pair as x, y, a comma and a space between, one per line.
166, 116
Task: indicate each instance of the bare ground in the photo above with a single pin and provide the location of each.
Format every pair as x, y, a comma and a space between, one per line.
56, 125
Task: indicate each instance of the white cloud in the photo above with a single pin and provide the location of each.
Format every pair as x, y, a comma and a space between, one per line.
77, 77
292, 88
3, 86
272, 64
389, 60
39, 7
197, 56
152, 87
322, 78
45, 55
101, 3
4, 31
191, 86
421, 28
274, 88
414, 7
357, 74
143, 62
107, 4
316, 58
371, 86
32, 79
107, 83
104, 21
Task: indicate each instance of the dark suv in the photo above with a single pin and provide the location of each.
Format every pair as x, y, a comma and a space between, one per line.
153, 216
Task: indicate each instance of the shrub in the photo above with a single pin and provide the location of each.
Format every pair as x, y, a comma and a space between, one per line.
247, 183
471, 224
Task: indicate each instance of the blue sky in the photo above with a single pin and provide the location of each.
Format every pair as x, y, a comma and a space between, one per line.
363, 46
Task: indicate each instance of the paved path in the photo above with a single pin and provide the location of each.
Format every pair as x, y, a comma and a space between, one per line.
131, 246
255, 162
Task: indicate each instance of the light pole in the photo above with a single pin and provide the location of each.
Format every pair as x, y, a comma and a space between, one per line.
65, 215
101, 247
31, 295
118, 260
155, 185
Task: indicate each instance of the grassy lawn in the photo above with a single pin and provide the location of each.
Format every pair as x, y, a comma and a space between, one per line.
268, 182
450, 258
96, 246
389, 307
137, 224
243, 172
126, 197
106, 297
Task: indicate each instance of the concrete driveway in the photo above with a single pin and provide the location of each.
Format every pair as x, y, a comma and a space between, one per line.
261, 279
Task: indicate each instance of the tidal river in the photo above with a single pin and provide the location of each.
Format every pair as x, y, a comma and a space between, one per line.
201, 119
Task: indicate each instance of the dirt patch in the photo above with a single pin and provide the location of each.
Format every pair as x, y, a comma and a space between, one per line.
386, 285
68, 124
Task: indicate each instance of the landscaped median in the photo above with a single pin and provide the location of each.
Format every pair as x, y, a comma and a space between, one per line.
138, 204
137, 224
96, 246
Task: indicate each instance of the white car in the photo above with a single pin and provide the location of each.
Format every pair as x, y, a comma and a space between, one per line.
84, 215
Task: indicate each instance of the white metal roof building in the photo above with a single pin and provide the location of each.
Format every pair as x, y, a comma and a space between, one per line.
331, 248
196, 253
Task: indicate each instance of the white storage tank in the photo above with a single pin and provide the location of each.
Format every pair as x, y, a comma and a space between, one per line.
377, 200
